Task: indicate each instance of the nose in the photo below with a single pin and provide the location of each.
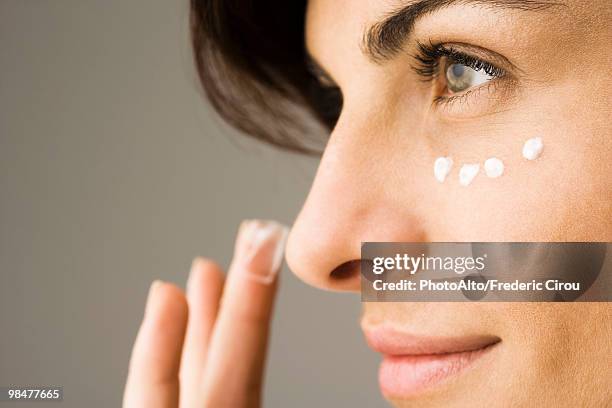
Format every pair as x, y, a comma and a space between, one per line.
354, 198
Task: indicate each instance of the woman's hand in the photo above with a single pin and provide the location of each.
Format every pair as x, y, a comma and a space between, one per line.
207, 348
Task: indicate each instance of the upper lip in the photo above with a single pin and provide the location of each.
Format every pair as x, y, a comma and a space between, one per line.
391, 341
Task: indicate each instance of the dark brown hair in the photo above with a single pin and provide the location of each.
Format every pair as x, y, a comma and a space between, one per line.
253, 65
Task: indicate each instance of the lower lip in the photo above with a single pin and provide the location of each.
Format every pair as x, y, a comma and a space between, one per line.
407, 376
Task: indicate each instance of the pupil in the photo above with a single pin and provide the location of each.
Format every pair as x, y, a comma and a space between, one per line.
458, 70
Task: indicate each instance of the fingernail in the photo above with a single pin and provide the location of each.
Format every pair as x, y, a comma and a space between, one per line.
155, 285
193, 272
259, 249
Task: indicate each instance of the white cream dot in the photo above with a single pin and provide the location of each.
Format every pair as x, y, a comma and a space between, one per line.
533, 148
467, 173
442, 168
493, 167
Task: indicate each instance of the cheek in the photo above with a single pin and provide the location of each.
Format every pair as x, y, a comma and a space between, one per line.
565, 194
543, 339
557, 197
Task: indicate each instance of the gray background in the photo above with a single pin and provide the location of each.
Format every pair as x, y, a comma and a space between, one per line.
113, 172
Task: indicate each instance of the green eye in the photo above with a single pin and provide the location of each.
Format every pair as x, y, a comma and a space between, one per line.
460, 77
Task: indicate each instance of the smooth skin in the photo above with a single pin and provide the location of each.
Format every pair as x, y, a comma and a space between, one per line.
202, 349
375, 183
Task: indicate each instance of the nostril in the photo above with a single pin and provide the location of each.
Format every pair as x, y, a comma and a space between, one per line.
345, 277
348, 270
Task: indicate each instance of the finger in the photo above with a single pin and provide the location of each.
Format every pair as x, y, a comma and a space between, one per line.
204, 289
236, 355
153, 373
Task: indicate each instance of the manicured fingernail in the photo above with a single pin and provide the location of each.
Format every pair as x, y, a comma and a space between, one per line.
260, 247
196, 267
155, 285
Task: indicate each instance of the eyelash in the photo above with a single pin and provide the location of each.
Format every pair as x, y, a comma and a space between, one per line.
328, 99
428, 67
429, 55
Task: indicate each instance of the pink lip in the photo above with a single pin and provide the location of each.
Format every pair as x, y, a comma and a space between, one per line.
413, 364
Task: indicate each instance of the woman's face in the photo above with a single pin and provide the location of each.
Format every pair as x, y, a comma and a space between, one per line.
469, 79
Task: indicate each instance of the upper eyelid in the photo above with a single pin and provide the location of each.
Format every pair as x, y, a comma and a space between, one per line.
484, 54
473, 51
476, 63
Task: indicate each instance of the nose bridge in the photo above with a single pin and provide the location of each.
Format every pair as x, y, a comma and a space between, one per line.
350, 201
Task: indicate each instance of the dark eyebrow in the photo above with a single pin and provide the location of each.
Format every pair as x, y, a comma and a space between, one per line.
384, 39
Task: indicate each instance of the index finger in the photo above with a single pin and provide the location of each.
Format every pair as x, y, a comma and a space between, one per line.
236, 357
